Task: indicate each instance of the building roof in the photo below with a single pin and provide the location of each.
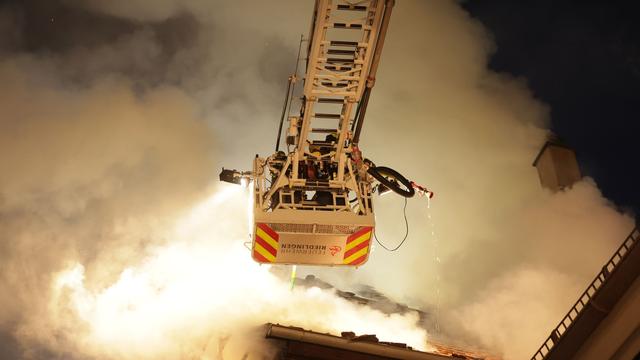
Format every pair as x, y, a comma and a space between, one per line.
315, 345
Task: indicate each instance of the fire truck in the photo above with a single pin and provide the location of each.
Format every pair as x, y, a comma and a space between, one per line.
312, 198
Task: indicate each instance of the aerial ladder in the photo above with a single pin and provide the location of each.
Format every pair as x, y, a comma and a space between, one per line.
312, 200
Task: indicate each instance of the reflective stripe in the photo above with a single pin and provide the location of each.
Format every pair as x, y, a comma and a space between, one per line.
262, 251
356, 249
268, 230
359, 233
359, 261
364, 237
259, 258
355, 256
267, 238
266, 246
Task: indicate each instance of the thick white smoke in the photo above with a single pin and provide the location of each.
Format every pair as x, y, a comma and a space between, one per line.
112, 135
202, 287
116, 244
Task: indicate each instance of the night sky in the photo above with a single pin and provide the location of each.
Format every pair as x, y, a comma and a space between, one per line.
583, 60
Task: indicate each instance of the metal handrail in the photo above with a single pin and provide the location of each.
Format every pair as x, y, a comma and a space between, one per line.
602, 277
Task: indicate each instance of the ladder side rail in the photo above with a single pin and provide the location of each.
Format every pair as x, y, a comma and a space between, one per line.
375, 62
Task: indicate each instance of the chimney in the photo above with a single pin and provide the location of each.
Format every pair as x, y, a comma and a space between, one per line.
557, 166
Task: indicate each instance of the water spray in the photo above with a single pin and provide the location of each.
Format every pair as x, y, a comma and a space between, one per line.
293, 277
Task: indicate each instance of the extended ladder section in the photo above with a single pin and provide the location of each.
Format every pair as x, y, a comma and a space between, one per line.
340, 54
593, 304
313, 202
341, 64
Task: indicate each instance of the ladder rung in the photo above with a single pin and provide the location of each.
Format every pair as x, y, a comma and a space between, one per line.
330, 101
334, 85
347, 26
324, 131
321, 143
338, 68
336, 77
327, 116
352, 7
340, 52
340, 61
343, 43
327, 91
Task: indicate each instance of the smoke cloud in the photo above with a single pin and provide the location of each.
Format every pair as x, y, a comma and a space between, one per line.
89, 175
115, 242
186, 297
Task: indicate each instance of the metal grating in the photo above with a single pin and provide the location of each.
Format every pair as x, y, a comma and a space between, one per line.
314, 228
